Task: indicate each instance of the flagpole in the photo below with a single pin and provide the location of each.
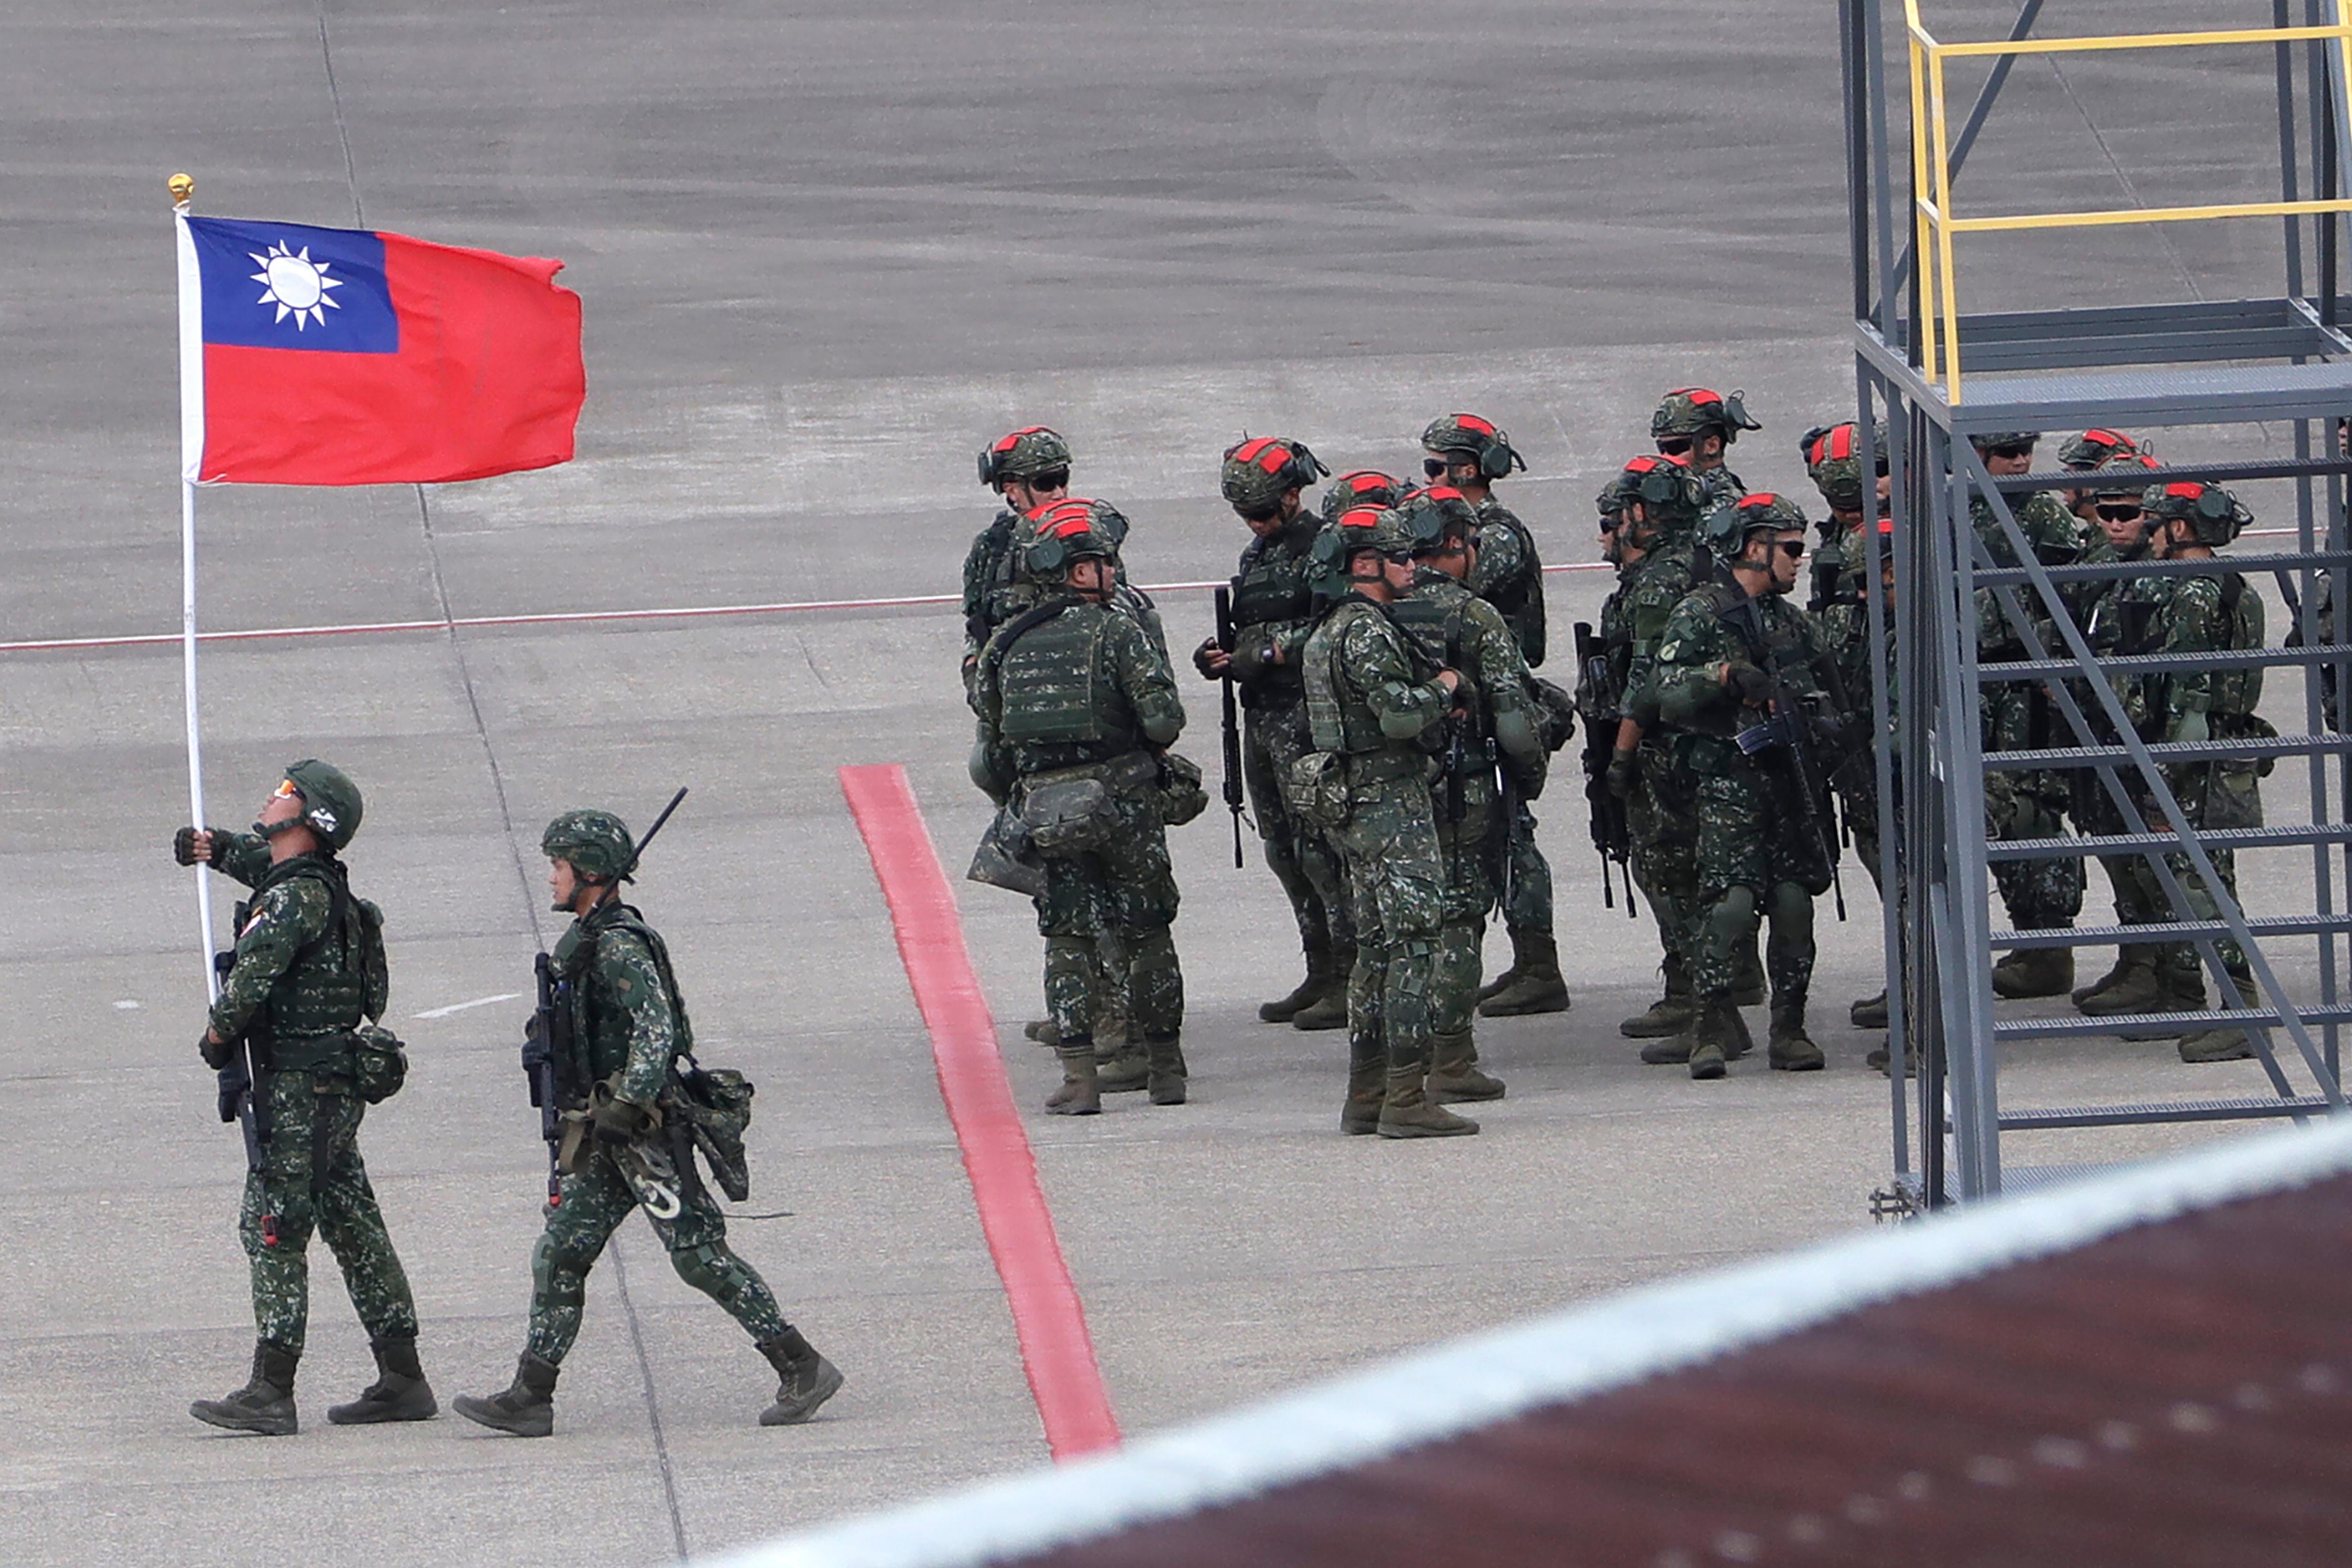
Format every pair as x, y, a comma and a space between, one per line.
191, 446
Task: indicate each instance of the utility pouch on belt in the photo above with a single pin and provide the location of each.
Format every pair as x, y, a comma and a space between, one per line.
1317, 788
379, 1063
1555, 713
1182, 794
1068, 812
714, 1103
1005, 858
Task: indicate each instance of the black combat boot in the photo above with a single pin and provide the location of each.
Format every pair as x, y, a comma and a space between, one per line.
1166, 1061
1311, 990
1537, 987
806, 1379
527, 1408
1330, 1011
398, 1393
1079, 1094
265, 1403
1789, 1047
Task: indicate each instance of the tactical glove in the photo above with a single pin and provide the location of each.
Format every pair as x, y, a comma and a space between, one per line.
1201, 659
1621, 771
183, 846
2190, 726
232, 1085
1750, 684
618, 1121
217, 1053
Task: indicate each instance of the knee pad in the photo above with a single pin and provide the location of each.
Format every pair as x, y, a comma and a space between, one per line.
559, 1277
704, 1267
1790, 902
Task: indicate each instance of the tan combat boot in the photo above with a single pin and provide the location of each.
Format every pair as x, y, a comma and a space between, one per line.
1330, 1011
1538, 987
1669, 1015
1408, 1113
1079, 1095
1453, 1072
2032, 971
1789, 1049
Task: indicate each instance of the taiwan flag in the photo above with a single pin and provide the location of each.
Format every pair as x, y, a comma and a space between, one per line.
333, 356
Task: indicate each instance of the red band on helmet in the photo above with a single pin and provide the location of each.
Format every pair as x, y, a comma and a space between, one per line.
1277, 458
1443, 492
2187, 491
1472, 422
1366, 479
2111, 439
1643, 465
1839, 443
1247, 452
1012, 440
1361, 517
1072, 509
1697, 394
1760, 498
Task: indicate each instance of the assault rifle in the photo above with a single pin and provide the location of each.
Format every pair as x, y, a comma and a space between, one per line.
1612, 833
550, 1056
1228, 719
1790, 725
245, 1093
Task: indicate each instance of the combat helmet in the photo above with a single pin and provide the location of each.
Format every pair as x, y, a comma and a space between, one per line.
1479, 437
1730, 528
1671, 495
2097, 449
1994, 440
596, 843
1024, 455
1359, 486
1258, 471
1071, 531
330, 802
1689, 411
2213, 514
1832, 455
1381, 530
1435, 514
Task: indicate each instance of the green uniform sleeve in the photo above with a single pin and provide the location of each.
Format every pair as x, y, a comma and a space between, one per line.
1500, 671
1687, 681
1373, 655
633, 990
242, 855
1140, 665
2195, 627
282, 921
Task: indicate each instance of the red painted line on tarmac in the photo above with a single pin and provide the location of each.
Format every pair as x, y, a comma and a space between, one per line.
1056, 1352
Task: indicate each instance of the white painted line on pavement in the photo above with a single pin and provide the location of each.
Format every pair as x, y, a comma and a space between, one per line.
461, 1006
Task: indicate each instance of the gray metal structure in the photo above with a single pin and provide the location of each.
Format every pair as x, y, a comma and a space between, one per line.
2287, 358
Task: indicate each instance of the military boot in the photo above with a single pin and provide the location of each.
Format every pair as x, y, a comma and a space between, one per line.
1120, 1067
1748, 976
2131, 959
1453, 1072
1407, 1111
1538, 987
1673, 1050
1710, 1029
1670, 1013
265, 1403
1044, 1031
1869, 1013
527, 1408
2131, 986
806, 1379
2032, 971
1368, 1088
1079, 1095
1790, 1048
2179, 996
2227, 1042
398, 1393
1330, 1011
1310, 990
1503, 982
1166, 1069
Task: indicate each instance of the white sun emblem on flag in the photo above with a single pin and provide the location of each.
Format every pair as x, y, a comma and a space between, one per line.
295, 284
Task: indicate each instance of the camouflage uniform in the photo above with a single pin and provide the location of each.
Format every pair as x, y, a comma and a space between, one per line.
1509, 576
1372, 702
1073, 691
299, 979
1458, 630
1722, 486
1662, 815
629, 1024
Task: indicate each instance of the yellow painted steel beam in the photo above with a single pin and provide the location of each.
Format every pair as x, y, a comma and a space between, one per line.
2141, 215
2135, 41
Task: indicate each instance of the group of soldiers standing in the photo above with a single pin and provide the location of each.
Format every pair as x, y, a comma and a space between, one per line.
1379, 653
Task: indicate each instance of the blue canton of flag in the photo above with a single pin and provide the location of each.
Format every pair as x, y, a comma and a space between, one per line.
290, 286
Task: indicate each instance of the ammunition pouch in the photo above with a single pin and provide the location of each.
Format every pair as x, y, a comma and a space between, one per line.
1184, 796
1555, 713
379, 1063
1315, 787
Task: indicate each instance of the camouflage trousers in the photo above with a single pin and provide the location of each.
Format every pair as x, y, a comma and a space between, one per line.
1398, 878
1104, 916
2212, 798
1304, 859
1661, 821
2021, 804
339, 1205
595, 1200
1527, 904
1759, 857
1469, 851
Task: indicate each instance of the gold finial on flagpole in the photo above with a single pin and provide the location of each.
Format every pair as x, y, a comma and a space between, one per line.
182, 187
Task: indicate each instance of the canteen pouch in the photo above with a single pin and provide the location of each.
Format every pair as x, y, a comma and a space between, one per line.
379, 1063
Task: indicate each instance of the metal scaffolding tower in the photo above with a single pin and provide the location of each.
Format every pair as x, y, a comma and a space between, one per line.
1936, 376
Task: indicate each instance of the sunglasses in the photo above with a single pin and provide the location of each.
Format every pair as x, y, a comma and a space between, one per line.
2120, 511
1794, 549
1674, 445
1258, 513
1398, 557
2008, 452
1435, 468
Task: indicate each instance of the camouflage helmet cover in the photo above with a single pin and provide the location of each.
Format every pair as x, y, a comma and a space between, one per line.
2212, 513
331, 806
1478, 436
596, 843
1992, 440
1379, 529
1832, 455
1071, 531
1257, 472
1436, 513
1730, 528
1688, 410
2096, 450
1359, 486
1671, 495
1024, 455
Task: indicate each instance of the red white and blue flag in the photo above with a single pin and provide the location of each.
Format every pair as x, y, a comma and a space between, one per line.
331, 356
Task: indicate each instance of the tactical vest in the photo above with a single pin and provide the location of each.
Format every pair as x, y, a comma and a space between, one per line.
1771, 637
1435, 619
335, 978
1340, 717
1053, 686
598, 1025
1520, 597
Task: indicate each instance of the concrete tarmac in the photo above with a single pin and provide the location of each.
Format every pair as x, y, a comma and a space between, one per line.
827, 255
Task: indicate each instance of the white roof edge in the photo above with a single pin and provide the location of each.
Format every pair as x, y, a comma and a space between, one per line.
1475, 1381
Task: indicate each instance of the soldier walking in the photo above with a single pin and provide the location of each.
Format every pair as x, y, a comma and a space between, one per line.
629, 1027
1468, 454
283, 1034
1076, 708
1374, 703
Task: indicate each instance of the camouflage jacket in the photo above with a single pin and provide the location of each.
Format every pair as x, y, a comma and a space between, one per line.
1459, 631
1273, 611
1651, 589
988, 583
1509, 576
1722, 486
289, 959
627, 1017
1722, 625
1601, 681
2187, 615
1103, 676
2059, 538
1368, 689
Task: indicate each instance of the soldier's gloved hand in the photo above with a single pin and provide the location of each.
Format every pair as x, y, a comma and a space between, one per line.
1210, 659
618, 1121
1622, 765
2190, 726
214, 1050
232, 1085
192, 846
1744, 681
